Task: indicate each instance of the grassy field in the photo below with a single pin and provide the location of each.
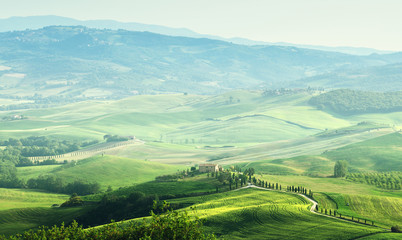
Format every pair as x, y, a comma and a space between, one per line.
174, 118
197, 184
23, 209
26, 198
18, 220
282, 137
258, 214
376, 154
107, 171
383, 236
384, 211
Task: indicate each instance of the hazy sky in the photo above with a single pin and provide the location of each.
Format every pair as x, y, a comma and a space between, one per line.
364, 23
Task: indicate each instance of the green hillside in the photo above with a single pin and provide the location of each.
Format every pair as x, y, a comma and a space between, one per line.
257, 214
235, 117
107, 171
377, 154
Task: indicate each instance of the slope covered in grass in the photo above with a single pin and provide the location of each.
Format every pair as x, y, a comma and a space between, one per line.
18, 220
110, 171
377, 154
259, 214
182, 119
23, 209
384, 211
26, 198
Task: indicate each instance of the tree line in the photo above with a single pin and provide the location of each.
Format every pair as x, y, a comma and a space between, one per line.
388, 180
349, 102
17, 151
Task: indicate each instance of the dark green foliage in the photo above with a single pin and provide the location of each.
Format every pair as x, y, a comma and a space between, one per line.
387, 180
168, 225
55, 184
341, 168
17, 150
8, 176
40, 146
396, 229
115, 138
348, 102
73, 201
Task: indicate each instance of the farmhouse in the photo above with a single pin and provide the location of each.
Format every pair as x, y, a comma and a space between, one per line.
209, 167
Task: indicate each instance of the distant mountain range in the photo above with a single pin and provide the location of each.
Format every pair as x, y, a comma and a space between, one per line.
81, 62
36, 22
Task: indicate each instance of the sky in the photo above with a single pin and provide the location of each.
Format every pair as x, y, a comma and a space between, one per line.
357, 23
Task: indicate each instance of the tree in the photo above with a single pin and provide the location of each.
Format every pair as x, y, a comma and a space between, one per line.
341, 168
396, 229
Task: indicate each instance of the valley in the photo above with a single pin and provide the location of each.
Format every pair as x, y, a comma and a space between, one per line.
281, 137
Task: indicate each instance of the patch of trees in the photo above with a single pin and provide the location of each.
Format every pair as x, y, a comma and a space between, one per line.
8, 176
349, 102
115, 138
119, 207
388, 180
52, 183
17, 151
341, 168
40, 146
288, 91
169, 224
74, 201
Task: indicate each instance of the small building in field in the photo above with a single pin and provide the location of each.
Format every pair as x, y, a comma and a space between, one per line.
209, 167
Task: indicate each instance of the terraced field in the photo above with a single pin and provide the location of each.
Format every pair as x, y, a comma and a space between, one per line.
259, 214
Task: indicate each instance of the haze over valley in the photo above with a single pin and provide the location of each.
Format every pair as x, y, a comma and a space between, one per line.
125, 130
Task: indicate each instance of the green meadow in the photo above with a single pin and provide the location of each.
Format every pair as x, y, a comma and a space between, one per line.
106, 170
259, 214
283, 138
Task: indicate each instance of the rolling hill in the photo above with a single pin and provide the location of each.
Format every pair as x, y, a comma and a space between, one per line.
60, 64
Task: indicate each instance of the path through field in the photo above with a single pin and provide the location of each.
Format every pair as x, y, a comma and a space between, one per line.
313, 207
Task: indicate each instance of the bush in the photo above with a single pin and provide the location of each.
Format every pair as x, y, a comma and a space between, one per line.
396, 229
73, 201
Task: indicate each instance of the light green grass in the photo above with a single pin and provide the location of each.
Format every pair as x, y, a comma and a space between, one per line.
258, 214
376, 154
179, 119
18, 220
383, 236
26, 173
385, 211
197, 184
107, 171
26, 198
333, 185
